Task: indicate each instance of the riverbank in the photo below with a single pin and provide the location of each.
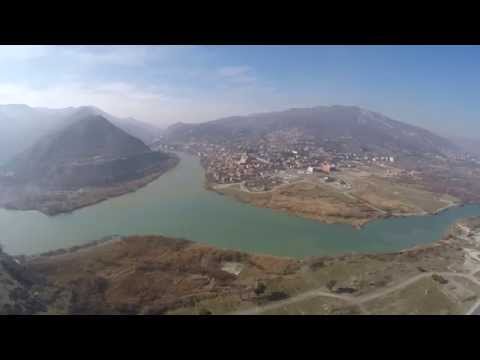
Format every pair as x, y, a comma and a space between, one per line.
177, 205
323, 205
301, 198
53, 203
160, 275
355, 197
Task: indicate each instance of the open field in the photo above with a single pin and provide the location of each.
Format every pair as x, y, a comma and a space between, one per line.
395, 197
363, 198
313, 201
424, 297
319, 306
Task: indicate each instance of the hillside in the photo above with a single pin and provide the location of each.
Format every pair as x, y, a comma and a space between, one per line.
23, 291
139, 129
83, 163
21, 126
88, 138
353, 127
160, 275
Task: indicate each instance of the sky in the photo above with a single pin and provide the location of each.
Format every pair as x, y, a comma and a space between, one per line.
437, 87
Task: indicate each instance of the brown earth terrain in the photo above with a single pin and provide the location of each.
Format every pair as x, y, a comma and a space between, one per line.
456, 178
312, 201
394, 196
158, 275
368, 196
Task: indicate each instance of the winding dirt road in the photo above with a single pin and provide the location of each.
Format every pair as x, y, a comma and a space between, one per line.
360, 300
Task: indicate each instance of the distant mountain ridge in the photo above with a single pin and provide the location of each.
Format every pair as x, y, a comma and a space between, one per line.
356, 127
142, 130
21, 125
88, 151
82, 139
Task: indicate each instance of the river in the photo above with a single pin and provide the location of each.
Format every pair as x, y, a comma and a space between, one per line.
177, 205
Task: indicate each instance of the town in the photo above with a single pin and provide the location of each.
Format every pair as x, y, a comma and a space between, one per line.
265, 165
284, 157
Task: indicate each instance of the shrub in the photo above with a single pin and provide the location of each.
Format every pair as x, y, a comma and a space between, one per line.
277, 295
331, 284
345, 290
260, 288
439, 279
204, 311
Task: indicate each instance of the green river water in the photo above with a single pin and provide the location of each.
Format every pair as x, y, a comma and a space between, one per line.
177, 205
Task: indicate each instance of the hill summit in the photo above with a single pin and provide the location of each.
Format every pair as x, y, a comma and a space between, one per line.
90, 138
22, 126
88, 153
352, 127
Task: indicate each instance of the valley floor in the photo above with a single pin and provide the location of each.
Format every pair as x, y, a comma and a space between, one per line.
355, 197
158, 275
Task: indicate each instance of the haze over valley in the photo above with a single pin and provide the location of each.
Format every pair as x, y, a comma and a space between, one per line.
21, 125
182, 204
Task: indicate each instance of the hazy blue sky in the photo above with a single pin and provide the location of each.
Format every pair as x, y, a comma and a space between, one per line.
437, 87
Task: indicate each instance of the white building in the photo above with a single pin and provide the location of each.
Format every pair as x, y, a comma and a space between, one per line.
243, 159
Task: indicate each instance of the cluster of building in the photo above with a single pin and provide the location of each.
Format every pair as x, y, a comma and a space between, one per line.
467, 157
266, 163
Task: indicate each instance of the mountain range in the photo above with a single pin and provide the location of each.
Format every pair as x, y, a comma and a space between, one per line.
354, 127
21, 126
88, 150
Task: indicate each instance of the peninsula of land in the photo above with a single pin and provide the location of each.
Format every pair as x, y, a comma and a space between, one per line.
333, 164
